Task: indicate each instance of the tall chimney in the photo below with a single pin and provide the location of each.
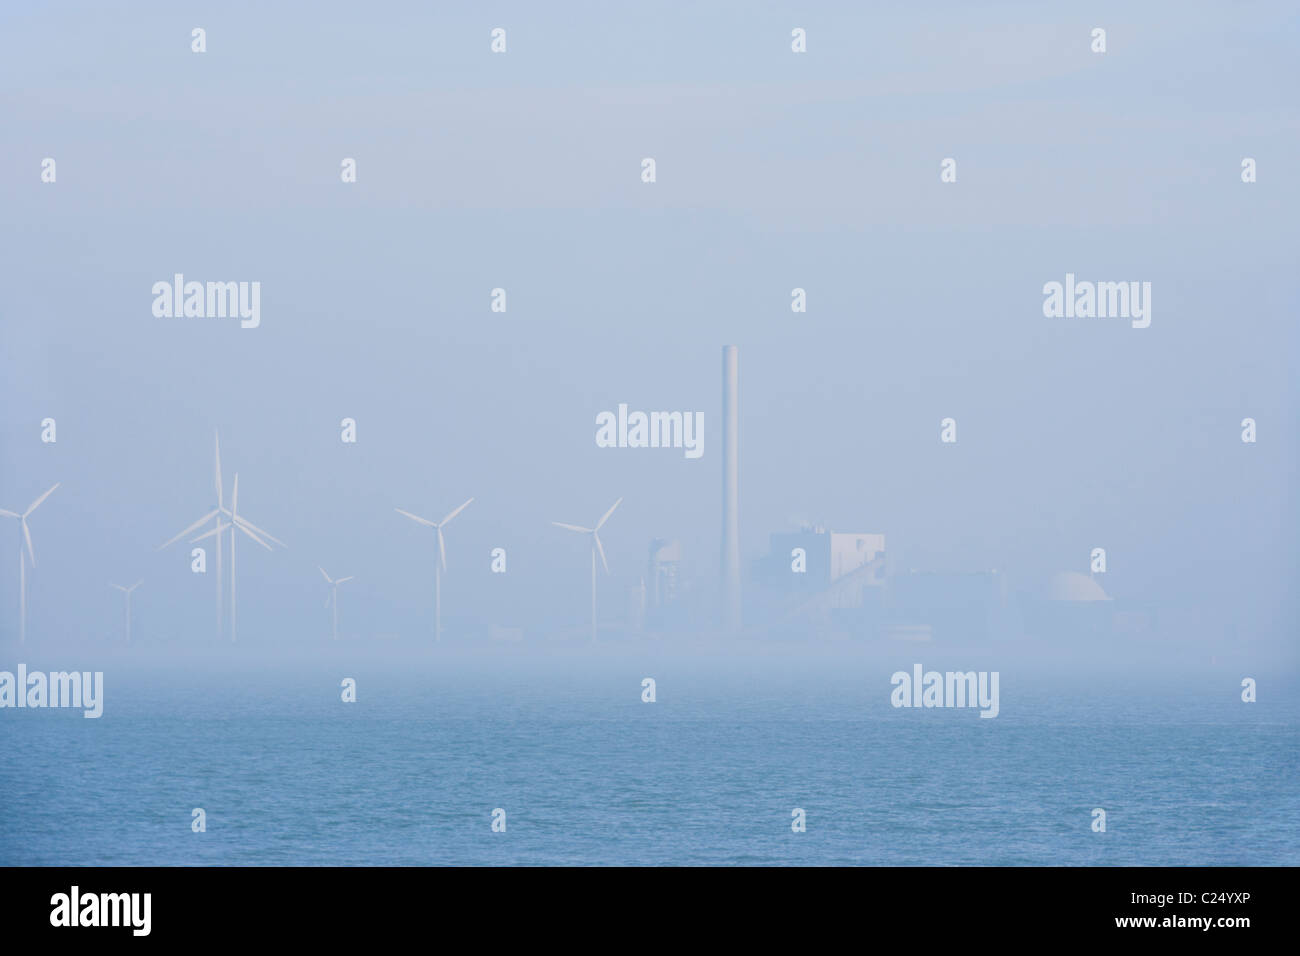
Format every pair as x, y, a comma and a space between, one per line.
730, 489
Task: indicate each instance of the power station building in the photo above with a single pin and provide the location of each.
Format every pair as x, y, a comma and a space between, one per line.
827, 557
663, 573
661, 601
820, 581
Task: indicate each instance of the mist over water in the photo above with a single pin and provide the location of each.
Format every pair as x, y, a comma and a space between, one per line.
738, 736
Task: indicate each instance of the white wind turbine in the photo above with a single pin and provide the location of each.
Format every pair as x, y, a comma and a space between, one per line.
214, 513
333, 599
217, 513
440, 565
25, 536
127, 592
235, 522
595, 547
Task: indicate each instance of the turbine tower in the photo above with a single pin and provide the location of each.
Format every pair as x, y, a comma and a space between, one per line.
440, 565
595, 547
127, 593
333, 599
235, 523
25, 536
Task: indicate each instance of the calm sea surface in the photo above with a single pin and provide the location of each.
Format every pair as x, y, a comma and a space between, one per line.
589, 774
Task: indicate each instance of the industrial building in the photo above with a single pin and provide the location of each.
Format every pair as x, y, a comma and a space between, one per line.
826, 557
660, 600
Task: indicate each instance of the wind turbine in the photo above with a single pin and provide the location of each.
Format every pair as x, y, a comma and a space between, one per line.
440, 565
595, 547
333, 599
214, 513
235, 522
127, 592
26, 536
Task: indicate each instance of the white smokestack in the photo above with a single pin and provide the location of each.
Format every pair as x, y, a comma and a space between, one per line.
730, 489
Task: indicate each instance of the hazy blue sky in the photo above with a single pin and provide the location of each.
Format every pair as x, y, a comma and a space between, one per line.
775, 170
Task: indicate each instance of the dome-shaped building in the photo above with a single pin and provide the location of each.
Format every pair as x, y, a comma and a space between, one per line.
1075, 608
1073, 586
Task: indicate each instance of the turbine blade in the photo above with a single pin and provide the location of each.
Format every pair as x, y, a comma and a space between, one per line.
136, 585
9, 514
605, 516
348, 578
207, 534
454, 513
245, 523
234, 497
325, 576
251, 535
28, 535
204, 520
36, 504
442, 549
118, 586
571, 527
599, 547
424, 521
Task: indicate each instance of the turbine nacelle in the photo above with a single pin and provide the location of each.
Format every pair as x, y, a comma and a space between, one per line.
331, 581
437, 526
594, 532
22, 521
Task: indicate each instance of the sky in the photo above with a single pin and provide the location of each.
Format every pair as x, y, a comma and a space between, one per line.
522, 171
